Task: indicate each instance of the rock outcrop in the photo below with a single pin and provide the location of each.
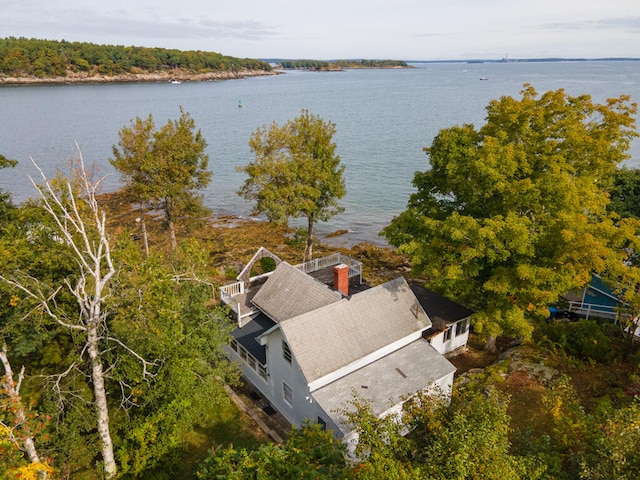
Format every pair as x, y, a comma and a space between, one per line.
164, 76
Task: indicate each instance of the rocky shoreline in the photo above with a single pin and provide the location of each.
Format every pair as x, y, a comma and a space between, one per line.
166, 76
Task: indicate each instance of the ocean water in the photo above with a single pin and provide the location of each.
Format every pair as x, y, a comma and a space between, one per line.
383, 118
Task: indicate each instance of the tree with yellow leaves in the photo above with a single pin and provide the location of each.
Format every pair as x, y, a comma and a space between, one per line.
512, 215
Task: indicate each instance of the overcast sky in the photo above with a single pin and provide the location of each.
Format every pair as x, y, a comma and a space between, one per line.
329, 29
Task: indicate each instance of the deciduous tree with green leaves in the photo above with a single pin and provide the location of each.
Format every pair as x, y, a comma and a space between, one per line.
625, 193
5, 199
438, 437
512, 215
163, 311
296, 172
308, 453
164, 168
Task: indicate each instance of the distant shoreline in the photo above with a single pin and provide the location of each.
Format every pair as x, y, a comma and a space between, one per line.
531, 60
155, 77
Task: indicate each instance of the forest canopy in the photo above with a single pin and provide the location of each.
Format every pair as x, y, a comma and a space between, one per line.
341, 64
52, 58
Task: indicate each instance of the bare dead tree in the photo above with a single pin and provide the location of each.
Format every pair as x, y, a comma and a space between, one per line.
82, 227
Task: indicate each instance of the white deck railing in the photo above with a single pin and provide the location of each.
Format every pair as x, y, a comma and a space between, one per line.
228, 292
590, 310
232, 290
355, 267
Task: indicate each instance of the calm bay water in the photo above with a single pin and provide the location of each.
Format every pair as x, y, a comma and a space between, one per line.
383, 117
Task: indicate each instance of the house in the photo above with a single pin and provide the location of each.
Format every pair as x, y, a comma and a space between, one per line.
310, 336
449, 332
596, 299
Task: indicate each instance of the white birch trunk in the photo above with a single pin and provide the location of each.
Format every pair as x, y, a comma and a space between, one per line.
145, 239
78, 229
20, 418
102, 408
172, 235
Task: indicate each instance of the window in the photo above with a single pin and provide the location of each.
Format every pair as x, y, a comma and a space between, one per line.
286, 352
287, 394
244, 355
447, 334
461, 327
252, 362
322, 423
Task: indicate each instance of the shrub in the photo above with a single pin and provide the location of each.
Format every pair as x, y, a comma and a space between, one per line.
584, 339
267, 264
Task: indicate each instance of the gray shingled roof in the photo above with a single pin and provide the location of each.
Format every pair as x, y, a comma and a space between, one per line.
419, 363
289, 292
329, 338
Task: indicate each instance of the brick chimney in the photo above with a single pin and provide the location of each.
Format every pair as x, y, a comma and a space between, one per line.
341, 279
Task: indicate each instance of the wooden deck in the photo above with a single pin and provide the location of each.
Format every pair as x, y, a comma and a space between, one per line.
239, 295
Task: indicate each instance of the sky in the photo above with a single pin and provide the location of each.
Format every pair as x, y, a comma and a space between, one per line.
341, 29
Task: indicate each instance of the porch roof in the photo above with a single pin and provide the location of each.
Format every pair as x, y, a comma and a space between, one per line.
248, 334
441, 310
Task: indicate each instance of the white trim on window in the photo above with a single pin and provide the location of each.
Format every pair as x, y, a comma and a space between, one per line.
461, 327
287, 394
447, 334
286, 351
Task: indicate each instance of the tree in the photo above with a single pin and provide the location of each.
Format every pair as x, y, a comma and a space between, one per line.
439, 437
468, 438
308, 453
19, 430
81, 228
296, 172
152, 309
625, 193
164, 168
5, 199
513, 215
163, 311
624, 277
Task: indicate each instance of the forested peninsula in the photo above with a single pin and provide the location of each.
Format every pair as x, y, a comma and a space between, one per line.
33, 61
338, 65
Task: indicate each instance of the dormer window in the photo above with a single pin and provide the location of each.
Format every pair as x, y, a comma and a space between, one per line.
286, 351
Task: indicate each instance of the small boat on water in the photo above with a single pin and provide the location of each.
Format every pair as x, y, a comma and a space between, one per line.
175, 82
484, 78
239, 103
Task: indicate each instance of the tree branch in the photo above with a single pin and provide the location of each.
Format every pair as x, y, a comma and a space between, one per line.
43, 301
145, 363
